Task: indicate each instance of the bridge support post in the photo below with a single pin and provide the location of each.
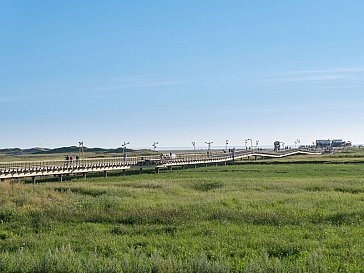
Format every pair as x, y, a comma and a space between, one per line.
141, 170
157, 170
195, 166
170, 168
123, 172
34, 180
255, 157
60, 178
85, 175
105, 174
225, 162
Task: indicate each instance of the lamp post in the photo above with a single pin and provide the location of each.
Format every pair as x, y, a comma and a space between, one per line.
81, 149
298, 141
256, 144
194, 145
246, 141
155, 145
226, 144
124, 149
209, 147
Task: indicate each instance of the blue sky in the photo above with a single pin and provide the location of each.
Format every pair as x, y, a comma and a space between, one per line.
176, 71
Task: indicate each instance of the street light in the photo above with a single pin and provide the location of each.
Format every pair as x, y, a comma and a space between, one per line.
226, 144
194, 145
298, 141
283, 144
155, 145
208, 147
256, 144
81, 149
246, 141
124, 149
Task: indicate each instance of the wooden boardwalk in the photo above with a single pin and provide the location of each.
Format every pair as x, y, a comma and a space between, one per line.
10, 170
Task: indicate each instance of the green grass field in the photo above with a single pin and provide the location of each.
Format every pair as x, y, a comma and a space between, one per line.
241, 218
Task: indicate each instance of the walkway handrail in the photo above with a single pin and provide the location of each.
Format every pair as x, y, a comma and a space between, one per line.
63, 163
142, 160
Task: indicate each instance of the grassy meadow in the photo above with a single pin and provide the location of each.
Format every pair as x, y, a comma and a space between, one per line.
237, 218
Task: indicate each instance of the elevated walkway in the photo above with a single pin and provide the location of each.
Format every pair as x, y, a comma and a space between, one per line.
10, 170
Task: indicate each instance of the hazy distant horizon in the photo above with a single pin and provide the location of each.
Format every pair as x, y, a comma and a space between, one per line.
165, 148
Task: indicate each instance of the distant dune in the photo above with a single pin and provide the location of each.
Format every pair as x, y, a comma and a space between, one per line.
61, 150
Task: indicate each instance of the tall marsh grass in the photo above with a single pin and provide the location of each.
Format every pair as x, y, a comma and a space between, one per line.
243, 218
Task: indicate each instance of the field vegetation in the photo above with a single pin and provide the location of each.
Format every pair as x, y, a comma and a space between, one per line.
239, 218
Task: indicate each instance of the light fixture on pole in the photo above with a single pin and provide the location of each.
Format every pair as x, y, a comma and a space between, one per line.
256, 144
297, 142
194, 145
124, 149
226, 144
81, 150
209, 147
246, 141
155, 145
